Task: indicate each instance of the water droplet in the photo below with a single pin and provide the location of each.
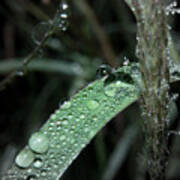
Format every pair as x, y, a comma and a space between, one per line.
92, 104
39, 142
29, 170
94, 119
58, 123
53, 116
31, 177
20, 72
39, 32
60, 162
38, 163
63, 28
24, 158
64, 6
126, 61
77, 119
82, 116
110, 90
103, 70
66, 105
61, 20
70, 116
65, 122
63, 15
63, 137
44, 173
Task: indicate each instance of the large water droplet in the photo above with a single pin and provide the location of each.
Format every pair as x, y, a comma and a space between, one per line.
39, 32
24, 158
53, 116
92, 104
39, 142
63, 16
103, 70
38, 163
63, 137
110, 90
61, 20
65, 122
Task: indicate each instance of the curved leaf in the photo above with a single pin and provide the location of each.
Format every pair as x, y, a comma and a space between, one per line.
67, 131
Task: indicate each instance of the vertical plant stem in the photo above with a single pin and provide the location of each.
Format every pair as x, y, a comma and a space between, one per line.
152, 52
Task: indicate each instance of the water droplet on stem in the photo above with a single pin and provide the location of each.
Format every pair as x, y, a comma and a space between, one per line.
39, 32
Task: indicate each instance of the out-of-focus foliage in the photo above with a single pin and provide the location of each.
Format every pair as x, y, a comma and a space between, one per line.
66, 64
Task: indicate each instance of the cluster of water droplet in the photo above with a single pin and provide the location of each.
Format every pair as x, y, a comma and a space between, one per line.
31, 158
70, 128
60, 21
174, 70
172, 8
103, 70
62, 15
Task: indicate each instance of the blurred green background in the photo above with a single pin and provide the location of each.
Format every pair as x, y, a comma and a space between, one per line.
99, 32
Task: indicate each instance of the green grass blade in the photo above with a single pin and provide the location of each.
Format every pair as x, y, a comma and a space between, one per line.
42, 65
70, 129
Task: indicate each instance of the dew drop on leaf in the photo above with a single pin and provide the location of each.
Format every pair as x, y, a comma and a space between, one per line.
66, 105
86, 129
39, 142
92, 104
44, 173
110, 90
64, 16
31, 177
82, 116
103, 70
24, 158
38, 163
20, 73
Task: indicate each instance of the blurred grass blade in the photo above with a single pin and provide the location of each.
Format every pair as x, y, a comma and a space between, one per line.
51, 150
74, 69
120, 153
43, 65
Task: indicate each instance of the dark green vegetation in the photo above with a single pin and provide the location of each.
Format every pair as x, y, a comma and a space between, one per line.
99, 32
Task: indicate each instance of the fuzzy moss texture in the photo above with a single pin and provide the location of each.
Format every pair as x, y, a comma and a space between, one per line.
153, 54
